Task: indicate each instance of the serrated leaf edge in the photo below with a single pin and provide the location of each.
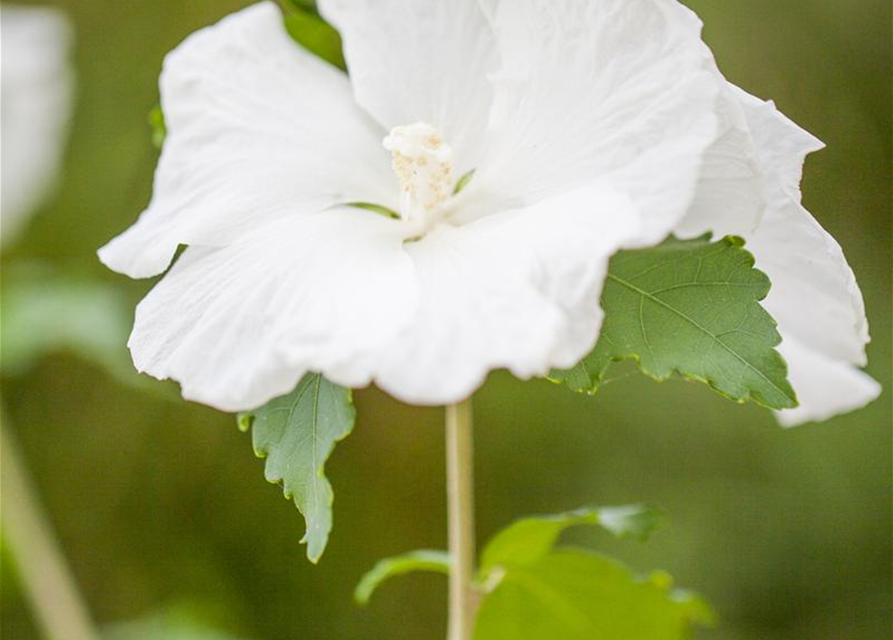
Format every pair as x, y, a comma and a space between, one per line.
245, 422
597, 379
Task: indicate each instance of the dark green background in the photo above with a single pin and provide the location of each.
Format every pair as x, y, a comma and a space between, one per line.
160, 503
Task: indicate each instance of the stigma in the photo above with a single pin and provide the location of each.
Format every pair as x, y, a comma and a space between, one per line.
423, 163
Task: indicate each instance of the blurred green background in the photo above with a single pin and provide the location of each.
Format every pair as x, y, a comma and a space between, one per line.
161, 505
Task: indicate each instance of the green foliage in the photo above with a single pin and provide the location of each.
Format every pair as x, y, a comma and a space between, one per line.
157, 125
304, 5
578, 595
296, 433
421, 560
316, 35
165, 626
153, 629
527, 540
690, 307
534, 591
46, 312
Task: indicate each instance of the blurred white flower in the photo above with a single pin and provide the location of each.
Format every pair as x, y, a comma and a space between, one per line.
35, 101
590, 126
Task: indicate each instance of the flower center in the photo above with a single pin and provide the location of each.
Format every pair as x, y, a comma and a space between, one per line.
423, 163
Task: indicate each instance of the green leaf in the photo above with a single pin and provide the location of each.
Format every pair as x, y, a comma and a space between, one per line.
179, 621
309, 30
159, 128
577, 595
421, 560
630, 521
157, 629
304, 5
296, 433
531, 591
692, 308
45, 311
160, 628
526, 541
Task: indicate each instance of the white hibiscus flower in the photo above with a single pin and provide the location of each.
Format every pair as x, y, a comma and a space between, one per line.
590, 127
35, 99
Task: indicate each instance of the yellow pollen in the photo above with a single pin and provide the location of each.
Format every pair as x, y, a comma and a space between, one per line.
423, 164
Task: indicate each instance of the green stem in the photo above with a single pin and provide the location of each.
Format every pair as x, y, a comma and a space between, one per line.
460, 498
45, 577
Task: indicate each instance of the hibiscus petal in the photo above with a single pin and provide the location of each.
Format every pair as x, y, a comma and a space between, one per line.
239, 325
339, 293
428, 60
612, 91
517, 290
825, 387
814, 295
731, 193
783, 146
258, 129
750, 186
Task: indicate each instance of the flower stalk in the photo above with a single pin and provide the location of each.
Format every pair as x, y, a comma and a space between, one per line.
45, 577
460, 498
